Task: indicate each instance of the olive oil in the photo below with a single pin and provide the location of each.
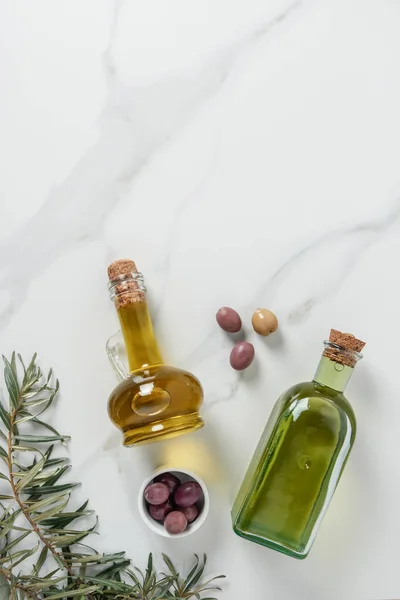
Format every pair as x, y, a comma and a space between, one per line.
155, 401
300, 457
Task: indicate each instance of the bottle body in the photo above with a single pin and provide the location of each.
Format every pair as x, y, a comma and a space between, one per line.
294, 472
301, 455
156, 403
153, 401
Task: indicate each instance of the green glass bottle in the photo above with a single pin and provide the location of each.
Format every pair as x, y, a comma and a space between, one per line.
300, 457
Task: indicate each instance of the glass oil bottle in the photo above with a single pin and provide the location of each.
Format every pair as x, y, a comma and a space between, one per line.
300, 457
154, 401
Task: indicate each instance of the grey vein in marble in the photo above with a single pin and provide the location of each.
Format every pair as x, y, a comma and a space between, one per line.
75, 210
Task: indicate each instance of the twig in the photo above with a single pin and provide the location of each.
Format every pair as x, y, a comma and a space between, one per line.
57, 555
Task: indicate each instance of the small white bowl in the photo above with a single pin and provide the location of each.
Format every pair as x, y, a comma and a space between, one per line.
204, 504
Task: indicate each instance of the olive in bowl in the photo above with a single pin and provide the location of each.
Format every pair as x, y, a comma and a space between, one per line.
185, 508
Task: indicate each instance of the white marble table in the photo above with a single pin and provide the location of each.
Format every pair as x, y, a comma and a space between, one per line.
243, 153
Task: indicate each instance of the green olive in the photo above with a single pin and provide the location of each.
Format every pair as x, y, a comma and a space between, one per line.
264, 321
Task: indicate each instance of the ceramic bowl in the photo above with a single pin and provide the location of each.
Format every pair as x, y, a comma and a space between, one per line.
204, 504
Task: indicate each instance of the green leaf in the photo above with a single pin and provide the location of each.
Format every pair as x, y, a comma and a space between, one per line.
73, 593
50, 428
170, 565
195, 575
41, 560
163, 587
21, 555
8, 523
114, 569
191, 574
58, 508
110, 583
4, 588
67, 539
22, 362
11, 380
25, 417
26, 449
3, 453
150, 576
53, 462
29, 372
213, 588
35, 402
31, 474
75, 557
49, 376
42, 438
52, 395
66, 518
50, 489
4, 416
82, 559
46, 582
33, 507
52, 573
56, 476
15, 542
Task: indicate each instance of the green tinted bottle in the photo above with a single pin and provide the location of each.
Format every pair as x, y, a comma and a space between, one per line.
300, 457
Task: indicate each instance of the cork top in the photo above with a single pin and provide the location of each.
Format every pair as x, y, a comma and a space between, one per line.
125, 283
343, 348
123, 266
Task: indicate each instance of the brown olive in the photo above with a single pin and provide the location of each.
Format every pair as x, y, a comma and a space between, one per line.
169, 480
242, 355
228, 319
156, 493
187, 493
160, 511
264, 321
191, 513
175, 522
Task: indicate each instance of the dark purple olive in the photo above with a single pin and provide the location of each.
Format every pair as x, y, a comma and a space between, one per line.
175, 522
159, 512
191, 513
242, 355
168, 479
228, 319
156, 493
187, 493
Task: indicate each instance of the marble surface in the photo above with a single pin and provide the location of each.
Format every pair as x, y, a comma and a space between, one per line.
243, 153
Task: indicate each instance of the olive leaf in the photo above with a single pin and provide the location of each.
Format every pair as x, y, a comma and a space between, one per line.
4, 588
63, 565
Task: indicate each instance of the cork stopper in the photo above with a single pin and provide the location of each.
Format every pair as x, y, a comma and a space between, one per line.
342, 348
125, 283
123, 266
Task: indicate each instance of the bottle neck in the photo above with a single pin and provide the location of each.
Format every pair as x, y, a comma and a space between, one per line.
137, 330
333, 374
128, 292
